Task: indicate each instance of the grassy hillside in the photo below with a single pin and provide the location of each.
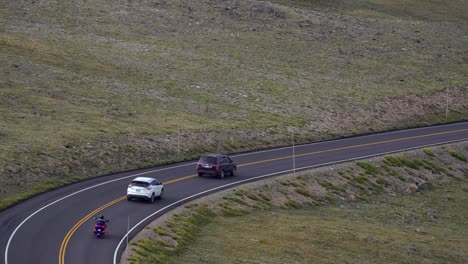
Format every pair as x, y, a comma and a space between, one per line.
88, 87
409, 207
402, 228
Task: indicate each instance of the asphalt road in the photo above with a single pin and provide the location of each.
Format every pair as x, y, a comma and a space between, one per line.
56, 226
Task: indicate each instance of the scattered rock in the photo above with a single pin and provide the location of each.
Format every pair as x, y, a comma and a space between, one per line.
423, 186
411, 188
412, 248
420, 230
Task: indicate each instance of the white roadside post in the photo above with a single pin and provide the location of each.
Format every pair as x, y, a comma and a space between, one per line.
128, 227
291, 129
294, 154
178, 143
447, 101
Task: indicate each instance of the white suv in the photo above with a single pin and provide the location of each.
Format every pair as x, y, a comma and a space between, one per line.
145, 188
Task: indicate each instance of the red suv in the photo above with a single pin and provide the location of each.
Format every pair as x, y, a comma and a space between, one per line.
217, 165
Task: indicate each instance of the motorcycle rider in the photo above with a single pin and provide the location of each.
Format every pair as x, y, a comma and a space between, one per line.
101, 219
100, 226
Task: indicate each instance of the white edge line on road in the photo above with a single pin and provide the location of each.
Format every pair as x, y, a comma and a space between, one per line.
340, 139
65, 197
188, 164
103, 183
265, 176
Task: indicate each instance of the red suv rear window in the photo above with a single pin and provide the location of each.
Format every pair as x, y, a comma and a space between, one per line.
208, 160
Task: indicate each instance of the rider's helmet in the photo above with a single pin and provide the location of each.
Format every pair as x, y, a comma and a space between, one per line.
102, 217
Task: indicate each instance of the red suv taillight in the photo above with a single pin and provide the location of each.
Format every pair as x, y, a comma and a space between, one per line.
148, 188
130, 185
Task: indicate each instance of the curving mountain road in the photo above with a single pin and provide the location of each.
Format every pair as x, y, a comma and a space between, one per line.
56, 226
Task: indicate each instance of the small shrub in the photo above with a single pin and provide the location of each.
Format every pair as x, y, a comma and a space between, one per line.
305, 192
392, 161
252, 196
429, 152
375, 187
418, 162
296, 183
434, 167
171, 223
188, 206
264, 196
176, 216
161, 242
363, 197
256, 206
359, 186
238, 192
232, 211
457, 155
347, 177
408, 163
292, 203
362, 179
329, 197
394, 173
161, 231
326, 184
284, 182
382, 181
180, 232
237, 200
401, 177
244, 192
368, 168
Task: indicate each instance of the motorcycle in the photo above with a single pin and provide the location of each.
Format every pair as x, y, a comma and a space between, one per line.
99, 229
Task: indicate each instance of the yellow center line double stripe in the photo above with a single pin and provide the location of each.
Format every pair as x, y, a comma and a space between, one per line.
353, 146
63, 246
84, 219
77, 225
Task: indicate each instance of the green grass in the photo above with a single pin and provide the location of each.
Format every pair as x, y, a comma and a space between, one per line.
382, 181
41, 188
183, 228
161, 231
377, 202
329, 186
369, 168
429, 152
264, 196
292, 204
237, 200
362, 179
430, 227
305, 192
457, 155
